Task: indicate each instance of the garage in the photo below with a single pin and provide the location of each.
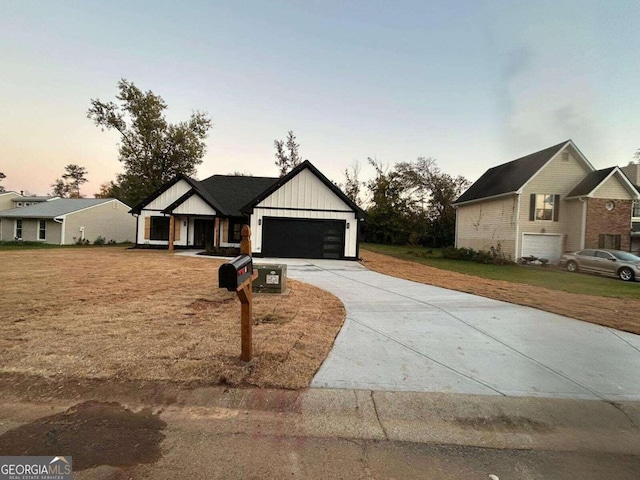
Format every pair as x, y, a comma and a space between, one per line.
542, 245
303, 238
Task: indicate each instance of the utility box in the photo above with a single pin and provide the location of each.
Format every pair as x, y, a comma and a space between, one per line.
272, 278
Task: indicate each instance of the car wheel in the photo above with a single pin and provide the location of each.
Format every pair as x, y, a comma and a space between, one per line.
625, 274
572, 266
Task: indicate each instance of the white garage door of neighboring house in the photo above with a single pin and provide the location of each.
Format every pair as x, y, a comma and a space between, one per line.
541, 245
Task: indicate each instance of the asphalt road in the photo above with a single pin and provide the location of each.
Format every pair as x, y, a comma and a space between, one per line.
217, 433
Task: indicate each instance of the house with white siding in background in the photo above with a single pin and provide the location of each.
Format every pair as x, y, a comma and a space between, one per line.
547, 203
302, 214
65, 221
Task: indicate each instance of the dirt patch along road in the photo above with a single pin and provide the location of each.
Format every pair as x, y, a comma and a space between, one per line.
215, 432
151, 316
621, 314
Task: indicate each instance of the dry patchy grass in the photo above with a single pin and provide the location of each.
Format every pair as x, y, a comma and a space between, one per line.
152, 316
618, 313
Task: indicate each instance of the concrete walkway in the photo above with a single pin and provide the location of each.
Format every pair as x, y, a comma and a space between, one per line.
405, 336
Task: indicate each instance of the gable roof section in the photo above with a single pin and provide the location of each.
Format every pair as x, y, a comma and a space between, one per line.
594, 179
509, 177
196, 190
62, 206
234, 191
138, 208
248, 208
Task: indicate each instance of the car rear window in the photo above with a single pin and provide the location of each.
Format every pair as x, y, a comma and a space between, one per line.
587, 253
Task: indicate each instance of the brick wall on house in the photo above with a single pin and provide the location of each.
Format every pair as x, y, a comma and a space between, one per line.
610, 222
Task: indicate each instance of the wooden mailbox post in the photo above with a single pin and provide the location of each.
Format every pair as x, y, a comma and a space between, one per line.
238, 275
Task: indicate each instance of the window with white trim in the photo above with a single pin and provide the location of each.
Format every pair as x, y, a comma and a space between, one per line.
42, 229
636, 209
18, 235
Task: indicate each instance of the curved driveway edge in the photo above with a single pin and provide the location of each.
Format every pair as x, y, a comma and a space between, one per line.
406, 336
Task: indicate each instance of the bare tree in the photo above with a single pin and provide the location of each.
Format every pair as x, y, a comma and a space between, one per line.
287, 156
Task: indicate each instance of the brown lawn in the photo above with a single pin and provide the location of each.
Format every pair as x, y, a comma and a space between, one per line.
618, 313
111, 313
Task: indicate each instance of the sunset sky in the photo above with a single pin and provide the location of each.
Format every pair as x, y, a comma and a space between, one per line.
471, 83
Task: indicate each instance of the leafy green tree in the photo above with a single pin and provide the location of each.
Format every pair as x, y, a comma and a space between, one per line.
434, 192
69, 184
411, 203
152, 150
2, 177
389, 208
287, 156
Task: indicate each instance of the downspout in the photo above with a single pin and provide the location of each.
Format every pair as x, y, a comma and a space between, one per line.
583, 227
517, 227
137, 217
61, 222
455, 232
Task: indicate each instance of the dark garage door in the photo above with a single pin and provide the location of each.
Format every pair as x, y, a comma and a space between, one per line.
302, 238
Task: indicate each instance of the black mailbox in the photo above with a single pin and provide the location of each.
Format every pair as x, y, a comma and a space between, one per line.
234, 273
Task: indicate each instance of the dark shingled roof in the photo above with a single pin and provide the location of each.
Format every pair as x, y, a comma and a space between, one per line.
232, 192
590, 182
509, 177
236, 195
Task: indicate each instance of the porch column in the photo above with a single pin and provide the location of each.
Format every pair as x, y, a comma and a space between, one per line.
172, 231
216, 233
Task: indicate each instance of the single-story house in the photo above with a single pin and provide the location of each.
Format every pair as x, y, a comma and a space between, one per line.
302, 214
546, 203
65, 221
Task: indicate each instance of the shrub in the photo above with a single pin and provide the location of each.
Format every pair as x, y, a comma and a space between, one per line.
494, 256
100, 241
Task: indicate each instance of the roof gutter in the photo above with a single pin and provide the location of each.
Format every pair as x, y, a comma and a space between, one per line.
475, 200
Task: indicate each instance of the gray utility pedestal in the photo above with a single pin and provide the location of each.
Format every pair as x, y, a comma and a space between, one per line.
272, 278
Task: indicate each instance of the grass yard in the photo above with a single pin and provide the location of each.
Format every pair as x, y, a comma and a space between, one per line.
603, 301
113, 313
548, 277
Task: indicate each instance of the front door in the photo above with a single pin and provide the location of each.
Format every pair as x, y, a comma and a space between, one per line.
204, 233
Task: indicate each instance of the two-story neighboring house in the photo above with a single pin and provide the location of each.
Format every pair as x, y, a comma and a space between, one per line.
633, 173
547, 203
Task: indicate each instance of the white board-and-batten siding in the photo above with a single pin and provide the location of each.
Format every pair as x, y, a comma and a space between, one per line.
154, 209
194, 205
305, 196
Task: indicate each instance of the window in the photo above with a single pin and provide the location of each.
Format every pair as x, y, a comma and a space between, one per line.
159, 228
636, 209
609, 241
544, 207
42, 229
18, 229
235, 229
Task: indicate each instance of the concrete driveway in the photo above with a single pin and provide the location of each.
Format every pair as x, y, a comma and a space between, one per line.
405, 336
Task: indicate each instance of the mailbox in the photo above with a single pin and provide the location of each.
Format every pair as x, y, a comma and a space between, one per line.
234, 273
